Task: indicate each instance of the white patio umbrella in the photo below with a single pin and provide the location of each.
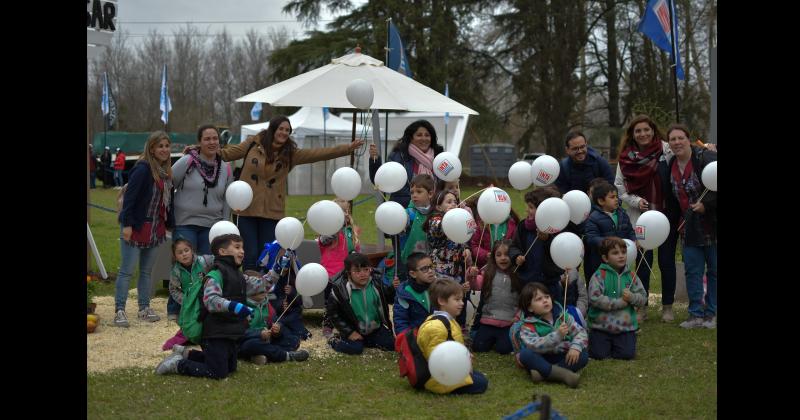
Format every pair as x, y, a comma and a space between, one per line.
326, 86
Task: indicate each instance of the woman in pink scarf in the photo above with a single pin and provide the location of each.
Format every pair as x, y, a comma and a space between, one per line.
415, 151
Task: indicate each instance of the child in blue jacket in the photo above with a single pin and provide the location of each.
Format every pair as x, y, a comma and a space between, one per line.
412, 304
607, 219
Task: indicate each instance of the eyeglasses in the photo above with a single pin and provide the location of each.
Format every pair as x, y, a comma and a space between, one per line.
425, 269
577, 148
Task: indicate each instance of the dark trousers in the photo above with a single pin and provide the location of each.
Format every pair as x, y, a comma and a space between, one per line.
173, 307
479, 385
543, 362
92, 179
216, 361
603, 345
489, 336
381, 338
275, 349
255, 232
666, 262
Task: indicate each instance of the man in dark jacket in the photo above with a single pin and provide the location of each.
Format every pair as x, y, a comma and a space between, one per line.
358, 309
581, 166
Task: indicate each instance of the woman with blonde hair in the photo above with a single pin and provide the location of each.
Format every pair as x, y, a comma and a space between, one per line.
145, 216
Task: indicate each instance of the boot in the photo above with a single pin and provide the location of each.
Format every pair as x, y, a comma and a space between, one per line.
536, 376
666, 314
560, 374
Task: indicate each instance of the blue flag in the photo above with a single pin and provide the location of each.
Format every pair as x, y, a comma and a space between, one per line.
446, 93
165, 105
397, 53
255, 113
655, 24
107, 103
326, 113
104, 99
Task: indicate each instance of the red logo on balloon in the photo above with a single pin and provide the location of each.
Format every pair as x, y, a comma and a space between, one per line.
445, 167
500, 196
640, 232
543, 176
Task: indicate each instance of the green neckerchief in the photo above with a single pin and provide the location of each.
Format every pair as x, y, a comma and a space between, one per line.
614, 284
423, 298
415, 235
365, 304
348, 234
260, 318
543, 327
497, 232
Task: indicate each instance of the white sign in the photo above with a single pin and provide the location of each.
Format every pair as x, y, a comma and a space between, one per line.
101, 17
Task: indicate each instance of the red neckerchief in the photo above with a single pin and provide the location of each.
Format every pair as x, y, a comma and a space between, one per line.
680, 181
638, 168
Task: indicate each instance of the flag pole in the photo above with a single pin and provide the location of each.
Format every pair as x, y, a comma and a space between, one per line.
386, 113
674, 59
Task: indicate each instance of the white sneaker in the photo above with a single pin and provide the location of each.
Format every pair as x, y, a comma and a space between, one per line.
692, 322
148, 314
169, 364
121, 319
710, 322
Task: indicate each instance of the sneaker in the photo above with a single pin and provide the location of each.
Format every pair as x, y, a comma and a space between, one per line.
692, 322
298, 356
148, 314
121, 319
169, 364
666, 314
172, 317
710, 322
259, 360
327, 332
179, 349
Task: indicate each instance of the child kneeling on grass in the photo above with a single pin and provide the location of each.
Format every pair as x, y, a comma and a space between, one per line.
613, 292
357, 307
447, 299
547, 342
224, 316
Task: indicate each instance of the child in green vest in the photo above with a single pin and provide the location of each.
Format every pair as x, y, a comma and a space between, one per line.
414, 239
412, 302
613, 292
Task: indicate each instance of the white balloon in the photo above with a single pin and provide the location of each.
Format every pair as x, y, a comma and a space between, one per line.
580, 206
567, 250
458, 225
239, 195
630, 253
450, 363
346, 183
391, 177
652, 229
519, 175
709, 176
494, 206
289, 233
391, 217
360, 93
545, 170
311, 279
325, 217
223, 227
552, 215
447, 166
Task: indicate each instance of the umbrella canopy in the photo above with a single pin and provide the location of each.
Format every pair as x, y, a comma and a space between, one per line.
326, 86
309, 121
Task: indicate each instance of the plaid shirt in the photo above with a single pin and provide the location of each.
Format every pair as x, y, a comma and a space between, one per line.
688, 189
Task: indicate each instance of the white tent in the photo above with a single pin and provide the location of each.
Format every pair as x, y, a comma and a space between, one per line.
310, 130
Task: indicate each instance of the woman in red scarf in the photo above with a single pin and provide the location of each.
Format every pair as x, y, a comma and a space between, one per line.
639, 186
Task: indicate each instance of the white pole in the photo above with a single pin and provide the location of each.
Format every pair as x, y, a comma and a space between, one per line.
96, 253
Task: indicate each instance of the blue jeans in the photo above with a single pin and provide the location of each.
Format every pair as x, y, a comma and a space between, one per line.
173, 307
666, 262
255, 231
197, 235
696, 260
118, 177
603, 345
479, 385
130, 255
275, 350
381, 338
489, 336
543, 362
92, 179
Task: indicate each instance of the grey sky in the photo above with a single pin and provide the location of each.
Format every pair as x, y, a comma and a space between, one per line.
258, 14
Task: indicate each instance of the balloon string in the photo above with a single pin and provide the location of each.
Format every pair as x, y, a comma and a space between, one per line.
566, 286
698, 200
529, 250
474, 194
287, 308
648, 266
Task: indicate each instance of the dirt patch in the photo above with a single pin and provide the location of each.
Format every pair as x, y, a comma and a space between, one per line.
139, 346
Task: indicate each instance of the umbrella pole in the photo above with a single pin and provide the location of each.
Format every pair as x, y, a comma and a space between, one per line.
353, 153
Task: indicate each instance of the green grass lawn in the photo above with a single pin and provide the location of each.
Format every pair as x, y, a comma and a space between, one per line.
673, 376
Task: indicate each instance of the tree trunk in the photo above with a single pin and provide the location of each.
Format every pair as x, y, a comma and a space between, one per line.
613, 77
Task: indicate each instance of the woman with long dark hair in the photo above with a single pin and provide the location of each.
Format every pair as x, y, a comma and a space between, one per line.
415, 151
268, 158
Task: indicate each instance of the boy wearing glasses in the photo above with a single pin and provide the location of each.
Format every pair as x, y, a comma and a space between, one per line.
357, 307
412, 303
581, 165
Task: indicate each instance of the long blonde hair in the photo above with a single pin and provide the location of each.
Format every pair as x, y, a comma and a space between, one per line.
148, 157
